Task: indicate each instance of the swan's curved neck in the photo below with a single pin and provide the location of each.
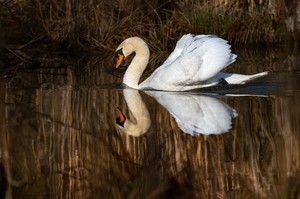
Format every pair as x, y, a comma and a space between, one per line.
138, 64
140, 112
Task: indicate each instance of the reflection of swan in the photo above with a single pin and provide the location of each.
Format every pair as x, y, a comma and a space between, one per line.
140, 112
194, 114
196, 62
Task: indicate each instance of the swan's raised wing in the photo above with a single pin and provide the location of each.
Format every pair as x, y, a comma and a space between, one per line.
196, 114
195, 60
181, 45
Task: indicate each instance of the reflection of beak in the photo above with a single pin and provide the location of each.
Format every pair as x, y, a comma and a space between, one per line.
120, 120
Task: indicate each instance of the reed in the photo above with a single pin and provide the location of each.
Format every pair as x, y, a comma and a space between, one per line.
239, 29
73, 31
100, 25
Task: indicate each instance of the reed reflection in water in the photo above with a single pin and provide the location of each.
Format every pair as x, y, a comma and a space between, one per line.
62, 141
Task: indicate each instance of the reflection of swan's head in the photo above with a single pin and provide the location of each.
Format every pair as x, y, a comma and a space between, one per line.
140, 112
132, 128
120, 120
130, 45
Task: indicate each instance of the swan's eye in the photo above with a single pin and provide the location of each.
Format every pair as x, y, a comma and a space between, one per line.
120, 120
119, 57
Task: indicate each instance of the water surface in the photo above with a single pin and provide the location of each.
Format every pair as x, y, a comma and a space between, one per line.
60, 139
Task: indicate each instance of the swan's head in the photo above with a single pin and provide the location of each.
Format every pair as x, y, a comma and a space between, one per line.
129, 46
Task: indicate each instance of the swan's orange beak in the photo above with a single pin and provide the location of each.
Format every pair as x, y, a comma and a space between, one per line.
119, 57
120, 120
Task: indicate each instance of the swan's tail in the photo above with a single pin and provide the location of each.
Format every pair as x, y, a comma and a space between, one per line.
239, 79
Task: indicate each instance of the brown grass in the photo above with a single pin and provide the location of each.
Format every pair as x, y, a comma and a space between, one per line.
74, 29
101, 24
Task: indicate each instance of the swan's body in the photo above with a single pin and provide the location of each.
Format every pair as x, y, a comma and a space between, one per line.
196, 62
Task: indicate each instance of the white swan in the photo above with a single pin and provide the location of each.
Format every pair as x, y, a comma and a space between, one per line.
196, 62
194, 114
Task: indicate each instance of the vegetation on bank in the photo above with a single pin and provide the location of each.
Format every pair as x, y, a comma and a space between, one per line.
75, 27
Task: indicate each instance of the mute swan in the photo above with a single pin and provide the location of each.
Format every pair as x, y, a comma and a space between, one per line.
196, 62
194, 114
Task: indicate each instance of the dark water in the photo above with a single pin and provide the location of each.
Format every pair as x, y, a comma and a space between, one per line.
59, 137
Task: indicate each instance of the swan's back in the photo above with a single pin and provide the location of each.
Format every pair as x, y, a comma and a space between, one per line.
194, 61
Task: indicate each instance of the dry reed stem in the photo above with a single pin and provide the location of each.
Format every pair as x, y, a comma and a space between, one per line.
73, 29
103, 24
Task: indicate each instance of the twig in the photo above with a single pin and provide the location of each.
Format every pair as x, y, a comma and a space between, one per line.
21, 55
32, 41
